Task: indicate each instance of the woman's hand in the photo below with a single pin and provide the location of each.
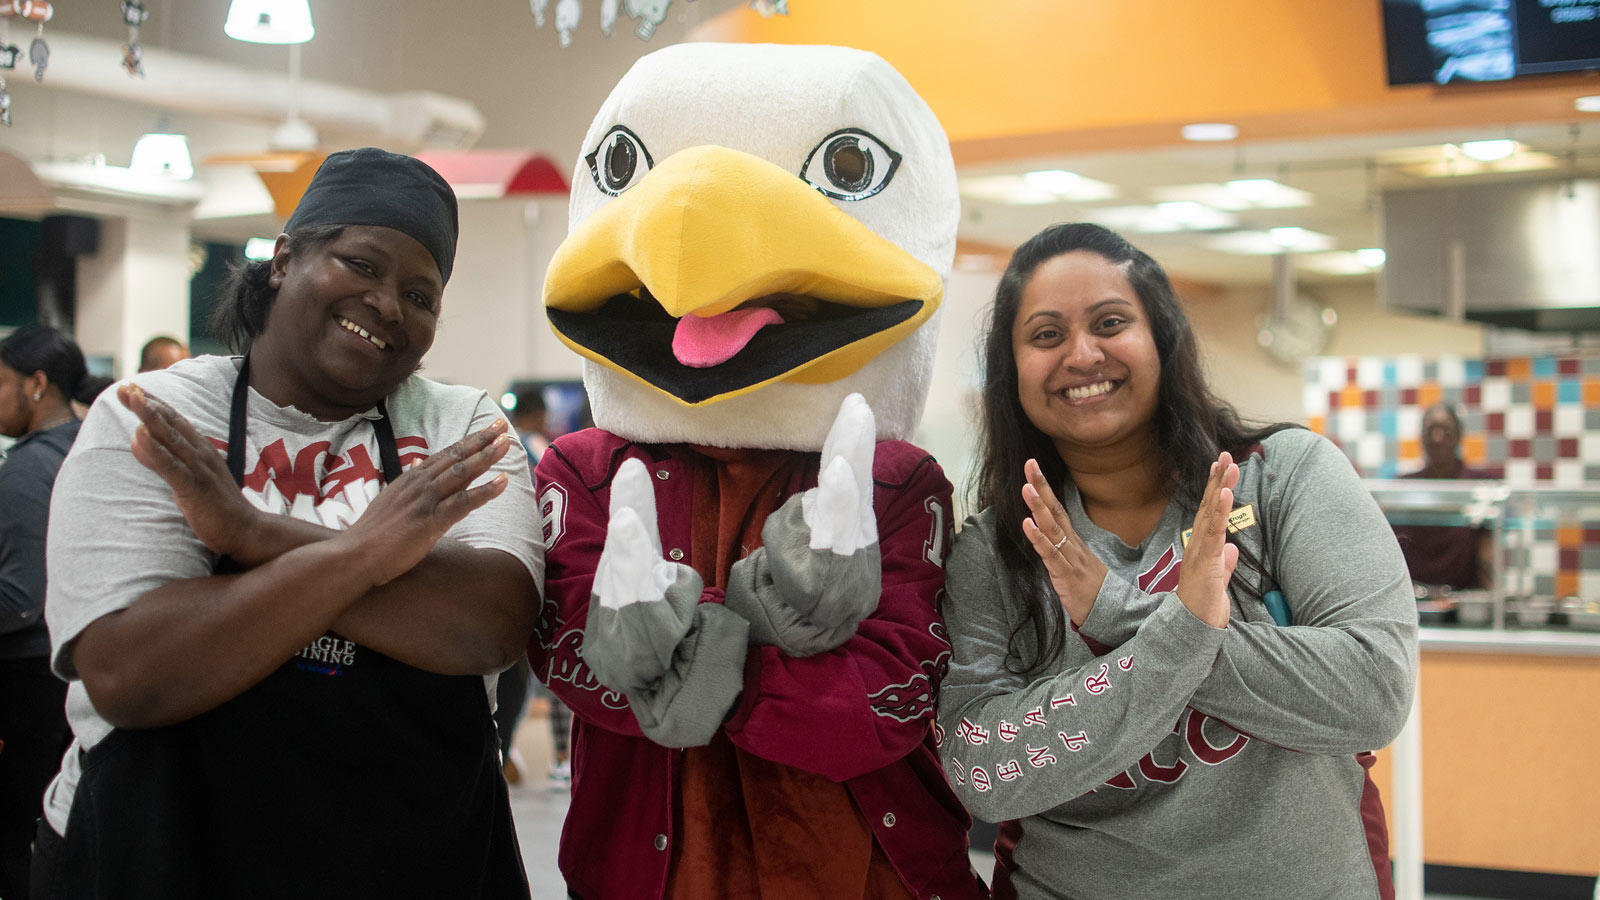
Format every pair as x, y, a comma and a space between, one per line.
167, 444
1209, 560
408, 517
1075, 572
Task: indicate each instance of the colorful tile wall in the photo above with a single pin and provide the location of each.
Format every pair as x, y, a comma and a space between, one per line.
1529, 420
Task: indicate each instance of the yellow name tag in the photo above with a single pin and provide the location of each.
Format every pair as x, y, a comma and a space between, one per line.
1238, 520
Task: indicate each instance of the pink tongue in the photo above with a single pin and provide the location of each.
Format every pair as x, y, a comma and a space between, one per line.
707, 341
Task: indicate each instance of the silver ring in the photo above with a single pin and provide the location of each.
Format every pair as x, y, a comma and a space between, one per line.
1058, 544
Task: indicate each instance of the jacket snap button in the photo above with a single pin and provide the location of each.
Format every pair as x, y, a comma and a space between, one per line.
661, 842
661, 474
675, 553
888, 820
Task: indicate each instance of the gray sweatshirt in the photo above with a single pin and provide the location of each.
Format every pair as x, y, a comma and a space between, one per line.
1161, 757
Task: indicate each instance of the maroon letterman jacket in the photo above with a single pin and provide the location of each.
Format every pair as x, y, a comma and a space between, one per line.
860, 714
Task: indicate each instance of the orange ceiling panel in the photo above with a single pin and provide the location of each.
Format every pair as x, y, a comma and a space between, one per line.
1098, 75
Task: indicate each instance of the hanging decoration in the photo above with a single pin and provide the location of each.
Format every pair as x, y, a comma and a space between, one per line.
568, 14
650, 13
133, 15
37, 12
8, 60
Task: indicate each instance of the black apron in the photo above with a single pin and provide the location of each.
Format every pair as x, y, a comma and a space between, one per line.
345, 773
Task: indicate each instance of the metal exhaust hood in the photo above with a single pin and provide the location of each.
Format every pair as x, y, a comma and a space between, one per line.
1515, 254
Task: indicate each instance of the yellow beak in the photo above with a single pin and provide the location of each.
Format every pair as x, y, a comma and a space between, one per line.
710, 228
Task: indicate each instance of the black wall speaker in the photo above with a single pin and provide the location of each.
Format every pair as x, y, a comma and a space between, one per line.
70, 236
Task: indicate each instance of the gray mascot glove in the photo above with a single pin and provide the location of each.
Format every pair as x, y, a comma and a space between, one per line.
679, 661
817, 574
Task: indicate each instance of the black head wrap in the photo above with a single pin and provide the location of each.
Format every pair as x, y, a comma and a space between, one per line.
375, 187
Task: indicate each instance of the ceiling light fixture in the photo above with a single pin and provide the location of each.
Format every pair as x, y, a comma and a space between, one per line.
1056, 181
1489, 151
269, 21
1264, 243
1210, 131
1037, 188
259, 249
161, 153
1288, 236
1372, 257
1590, 103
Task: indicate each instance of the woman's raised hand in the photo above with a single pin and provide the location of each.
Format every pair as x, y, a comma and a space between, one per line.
1209, 560
408, 517
167, 444
1075, 572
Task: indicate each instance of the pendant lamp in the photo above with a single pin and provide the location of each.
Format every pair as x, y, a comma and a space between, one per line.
269, 21
162, 153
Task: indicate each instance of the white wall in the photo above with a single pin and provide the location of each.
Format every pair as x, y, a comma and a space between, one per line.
1242, 374
135, 287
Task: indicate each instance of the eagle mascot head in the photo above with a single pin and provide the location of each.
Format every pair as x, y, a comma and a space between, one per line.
756, 232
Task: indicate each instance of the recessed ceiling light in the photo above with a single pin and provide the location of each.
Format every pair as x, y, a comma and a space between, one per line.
1287, 237
1242, 193
1590, 103
1056, 181
1162, 218
1489, 151
1037, 188
1069, 185
1210, 131
1262, 243
1372, 257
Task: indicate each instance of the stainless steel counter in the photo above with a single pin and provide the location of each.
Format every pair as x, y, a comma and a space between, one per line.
1531, 641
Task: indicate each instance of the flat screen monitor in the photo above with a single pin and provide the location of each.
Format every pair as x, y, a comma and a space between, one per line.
1450, 41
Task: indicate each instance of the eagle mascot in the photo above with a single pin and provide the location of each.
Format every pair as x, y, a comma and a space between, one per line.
744, 557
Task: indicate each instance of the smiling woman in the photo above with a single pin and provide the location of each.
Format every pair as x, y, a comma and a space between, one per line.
1176, 714
276, 652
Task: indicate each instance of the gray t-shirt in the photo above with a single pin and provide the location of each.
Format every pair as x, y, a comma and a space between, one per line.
1159, 757
116, 534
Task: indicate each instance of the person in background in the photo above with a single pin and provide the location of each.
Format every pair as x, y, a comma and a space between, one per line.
1453, 556
160, 352
42, 373
528, 417
278, 657
1156, 711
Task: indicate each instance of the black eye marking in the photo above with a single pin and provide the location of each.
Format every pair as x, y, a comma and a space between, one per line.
615, 164
850, 164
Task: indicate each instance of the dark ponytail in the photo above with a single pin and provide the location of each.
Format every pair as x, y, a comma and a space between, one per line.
246, 296
41, 348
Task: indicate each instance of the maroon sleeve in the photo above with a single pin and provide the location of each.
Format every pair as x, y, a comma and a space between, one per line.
869, 701
574, 521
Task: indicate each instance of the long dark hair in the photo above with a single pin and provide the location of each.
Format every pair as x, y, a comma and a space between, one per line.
41, 348
246, 296
1192, 426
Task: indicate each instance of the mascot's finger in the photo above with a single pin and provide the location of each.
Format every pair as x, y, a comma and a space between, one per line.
853, 438
631, 489
627, 572
833, 510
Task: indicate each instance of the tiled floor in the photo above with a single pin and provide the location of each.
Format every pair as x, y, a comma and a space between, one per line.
539, 810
